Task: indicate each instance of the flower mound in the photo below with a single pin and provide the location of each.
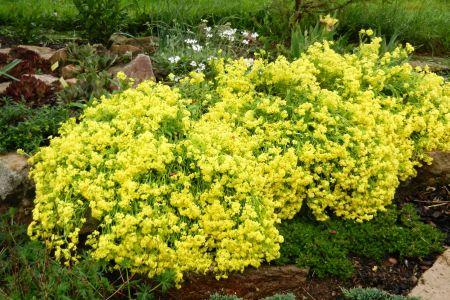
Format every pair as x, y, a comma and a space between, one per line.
196, 177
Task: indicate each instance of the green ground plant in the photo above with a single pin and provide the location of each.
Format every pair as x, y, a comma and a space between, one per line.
26, 128
372, 294
287, 296
326, 246
27, 271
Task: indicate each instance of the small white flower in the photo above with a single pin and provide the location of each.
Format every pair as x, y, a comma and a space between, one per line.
190, 41
245, 42
174, 59
197, 47
249, 61
204, 21
245, 33
211, 57
254, 35
209, 35
228, 34
208, 29
193, 63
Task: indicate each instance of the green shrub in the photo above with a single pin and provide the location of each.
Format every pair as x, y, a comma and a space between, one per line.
287, 296
373, 294
100, 18
326, 246
22, 127
224, 297
196, 177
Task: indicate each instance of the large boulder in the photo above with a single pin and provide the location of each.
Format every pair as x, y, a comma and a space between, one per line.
16, 189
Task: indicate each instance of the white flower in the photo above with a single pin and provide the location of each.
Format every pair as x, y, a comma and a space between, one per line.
254, 35
209, 35
228, 34
197, 47
201, 67
204, 21
211, 57
245, 42
193, 63
245, 33
190, 41
208, 29
249, 61
174, 59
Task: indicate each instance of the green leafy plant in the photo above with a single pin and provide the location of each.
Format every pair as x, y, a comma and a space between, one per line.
27, 128
372, 294
27, 271
326, 246
4, 71
89, 86
100, 18
89, 58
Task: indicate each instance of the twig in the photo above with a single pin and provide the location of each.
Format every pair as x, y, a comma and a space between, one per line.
439, 204
308, 293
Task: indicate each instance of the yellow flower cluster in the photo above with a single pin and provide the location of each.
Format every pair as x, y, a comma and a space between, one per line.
196, 177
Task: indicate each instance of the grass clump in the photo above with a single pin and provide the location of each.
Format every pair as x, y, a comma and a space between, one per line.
326, 246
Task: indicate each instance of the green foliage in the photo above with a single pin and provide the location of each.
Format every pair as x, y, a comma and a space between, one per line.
288, 296
425, 24
325, 246
100, 18
26, 128
224, 297
372, 294
87, 58
89, 86
4, 70
28, 272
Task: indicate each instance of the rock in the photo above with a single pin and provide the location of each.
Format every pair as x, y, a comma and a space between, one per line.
437, 173
147, 43
60, 56
433, 285
71, 81
4, 56
140, 69
70, 71
124, 49
392, 261
44, 53
433, 66
46, 78
252, 284
15, 187
4, 86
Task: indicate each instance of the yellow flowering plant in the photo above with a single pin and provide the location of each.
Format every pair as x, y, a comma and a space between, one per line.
195, 177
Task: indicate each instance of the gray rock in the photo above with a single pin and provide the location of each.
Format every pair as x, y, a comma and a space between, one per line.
15, 186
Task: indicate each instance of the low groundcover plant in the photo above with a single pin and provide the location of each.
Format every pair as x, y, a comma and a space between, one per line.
196, 177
